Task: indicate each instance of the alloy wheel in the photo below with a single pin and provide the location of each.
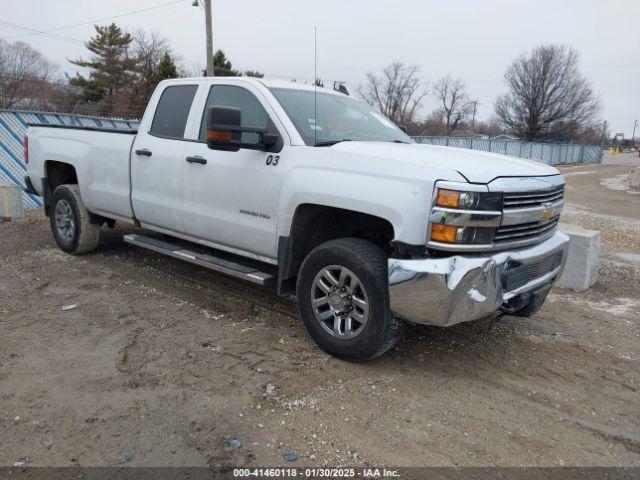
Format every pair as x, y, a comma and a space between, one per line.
339, 301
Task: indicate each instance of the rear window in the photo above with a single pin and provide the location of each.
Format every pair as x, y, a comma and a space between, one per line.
172, 112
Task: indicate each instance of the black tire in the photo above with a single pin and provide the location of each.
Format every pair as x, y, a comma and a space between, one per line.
83, 235
368, 262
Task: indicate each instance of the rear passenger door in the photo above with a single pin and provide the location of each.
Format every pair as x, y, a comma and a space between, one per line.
157, 157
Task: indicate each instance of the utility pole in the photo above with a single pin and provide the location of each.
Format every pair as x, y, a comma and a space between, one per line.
604, 132
473, 119
209, 29
633, 137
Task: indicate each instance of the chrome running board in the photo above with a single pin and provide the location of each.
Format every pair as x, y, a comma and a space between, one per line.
202, 259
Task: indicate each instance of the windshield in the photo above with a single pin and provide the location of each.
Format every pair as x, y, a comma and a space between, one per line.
339, 118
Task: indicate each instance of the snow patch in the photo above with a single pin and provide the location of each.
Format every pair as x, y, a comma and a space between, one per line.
619, 183
582, 172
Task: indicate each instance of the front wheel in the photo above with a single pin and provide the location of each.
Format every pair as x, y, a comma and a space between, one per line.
343, 299
71, 223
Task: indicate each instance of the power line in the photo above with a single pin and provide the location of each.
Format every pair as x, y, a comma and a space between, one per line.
40, 32
88, 22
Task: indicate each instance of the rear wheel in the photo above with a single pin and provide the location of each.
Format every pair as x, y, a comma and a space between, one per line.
71, 224
343, 299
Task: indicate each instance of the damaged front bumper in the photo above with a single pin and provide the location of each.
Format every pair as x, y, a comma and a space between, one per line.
461, 288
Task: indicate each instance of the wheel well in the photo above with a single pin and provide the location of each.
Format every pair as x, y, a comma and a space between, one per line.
56, 174
59, 173
316, 224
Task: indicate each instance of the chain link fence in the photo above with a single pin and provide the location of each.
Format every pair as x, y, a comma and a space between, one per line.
550, 153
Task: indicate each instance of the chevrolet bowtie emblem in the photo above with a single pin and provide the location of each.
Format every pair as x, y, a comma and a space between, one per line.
547, 213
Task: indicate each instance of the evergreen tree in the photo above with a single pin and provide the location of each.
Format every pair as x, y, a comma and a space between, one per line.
253, 73
167, 68
222, 66
111, 65
91, 90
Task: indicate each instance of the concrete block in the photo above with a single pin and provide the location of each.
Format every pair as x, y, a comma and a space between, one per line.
11, 201
634, 177
581, 269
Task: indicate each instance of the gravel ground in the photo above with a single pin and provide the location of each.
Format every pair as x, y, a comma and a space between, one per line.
125, 357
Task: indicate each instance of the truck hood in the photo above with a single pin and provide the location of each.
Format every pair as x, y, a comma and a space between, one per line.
476, 166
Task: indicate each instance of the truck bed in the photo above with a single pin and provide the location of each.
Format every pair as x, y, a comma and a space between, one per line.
100, 157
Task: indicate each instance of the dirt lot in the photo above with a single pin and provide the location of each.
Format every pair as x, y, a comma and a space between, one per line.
163, 363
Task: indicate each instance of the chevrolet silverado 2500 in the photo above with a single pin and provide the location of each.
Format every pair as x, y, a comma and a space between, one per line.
317, 193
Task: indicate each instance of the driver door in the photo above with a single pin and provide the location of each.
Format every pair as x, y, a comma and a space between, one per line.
231, 198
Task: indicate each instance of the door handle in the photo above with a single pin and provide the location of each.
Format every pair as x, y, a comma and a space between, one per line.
143, 152
197, 159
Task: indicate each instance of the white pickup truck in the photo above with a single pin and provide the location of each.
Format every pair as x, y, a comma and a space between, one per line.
317, 193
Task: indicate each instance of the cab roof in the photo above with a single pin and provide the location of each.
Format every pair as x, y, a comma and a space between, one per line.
268, 82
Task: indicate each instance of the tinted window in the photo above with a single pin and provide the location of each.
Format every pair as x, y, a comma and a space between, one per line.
253, 113
172, 112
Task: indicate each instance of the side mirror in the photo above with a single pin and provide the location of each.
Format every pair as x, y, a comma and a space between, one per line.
223, 122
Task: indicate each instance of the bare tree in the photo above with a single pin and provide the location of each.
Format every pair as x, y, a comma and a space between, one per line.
48, 96
193, 69
547, 96
397, 93
491, 127
455, 103
432, 124
21, 67
149, 50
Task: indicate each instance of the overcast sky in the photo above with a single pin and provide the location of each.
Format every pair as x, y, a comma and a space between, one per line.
471, 39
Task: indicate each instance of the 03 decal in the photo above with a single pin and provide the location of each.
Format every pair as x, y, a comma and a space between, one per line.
273, 160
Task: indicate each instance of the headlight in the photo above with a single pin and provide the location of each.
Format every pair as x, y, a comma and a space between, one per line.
465, 217
469, 200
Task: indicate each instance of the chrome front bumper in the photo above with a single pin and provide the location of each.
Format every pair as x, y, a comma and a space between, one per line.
451, 290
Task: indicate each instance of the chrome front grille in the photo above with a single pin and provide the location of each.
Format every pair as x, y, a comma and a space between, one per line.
532, 199
529, 216
525, 232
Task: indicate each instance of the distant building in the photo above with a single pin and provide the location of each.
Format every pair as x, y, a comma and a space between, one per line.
467, 134
504, 136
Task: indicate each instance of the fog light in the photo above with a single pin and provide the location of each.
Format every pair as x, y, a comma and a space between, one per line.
461, 235
443, 233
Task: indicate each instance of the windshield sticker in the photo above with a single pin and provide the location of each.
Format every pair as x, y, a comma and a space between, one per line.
313, 125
